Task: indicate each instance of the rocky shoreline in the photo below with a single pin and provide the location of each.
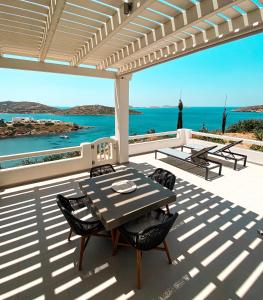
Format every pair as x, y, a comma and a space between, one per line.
8, 130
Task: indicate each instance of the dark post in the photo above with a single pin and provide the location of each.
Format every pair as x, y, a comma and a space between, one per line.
180, 115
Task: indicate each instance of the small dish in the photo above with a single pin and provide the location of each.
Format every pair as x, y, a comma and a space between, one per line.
124, 186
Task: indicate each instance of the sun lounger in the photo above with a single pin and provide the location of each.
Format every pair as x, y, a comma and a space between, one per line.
223, 151
198, 158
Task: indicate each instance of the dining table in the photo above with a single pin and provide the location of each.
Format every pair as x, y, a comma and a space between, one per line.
117, 208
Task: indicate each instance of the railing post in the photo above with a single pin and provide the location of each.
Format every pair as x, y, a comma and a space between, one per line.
122, 117
184, 135
86, 152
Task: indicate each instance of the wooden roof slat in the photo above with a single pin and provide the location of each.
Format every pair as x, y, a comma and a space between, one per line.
94, 6
20, 30
22, 13
93, 24
72, 30
22, 25
86, 13
74, 26
78, 21
37, 9
21, 19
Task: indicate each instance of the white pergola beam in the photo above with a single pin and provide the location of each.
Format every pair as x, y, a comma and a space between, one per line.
110, 29
254, 26
55, 11
175, 26
10, 63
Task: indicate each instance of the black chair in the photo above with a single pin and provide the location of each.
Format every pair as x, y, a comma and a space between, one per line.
101, 170
147, 233
165, 178
83, 228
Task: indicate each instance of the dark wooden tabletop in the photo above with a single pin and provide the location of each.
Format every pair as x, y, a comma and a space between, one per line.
115, 209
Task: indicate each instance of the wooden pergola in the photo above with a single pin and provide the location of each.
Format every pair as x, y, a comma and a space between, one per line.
96, 38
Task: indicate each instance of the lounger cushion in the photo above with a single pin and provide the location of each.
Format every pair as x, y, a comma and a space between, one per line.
175, 153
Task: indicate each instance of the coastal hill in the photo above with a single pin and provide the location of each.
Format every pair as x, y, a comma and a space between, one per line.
254, 108
94, 110
26, 107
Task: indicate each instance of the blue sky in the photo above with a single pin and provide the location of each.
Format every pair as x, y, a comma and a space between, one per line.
235, 69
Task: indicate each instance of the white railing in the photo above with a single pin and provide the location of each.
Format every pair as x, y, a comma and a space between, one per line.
252, 155
104, 151
39, 153
150, 135
149, 146
228, 138
99, 152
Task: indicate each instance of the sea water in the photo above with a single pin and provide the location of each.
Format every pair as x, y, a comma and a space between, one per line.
159, 119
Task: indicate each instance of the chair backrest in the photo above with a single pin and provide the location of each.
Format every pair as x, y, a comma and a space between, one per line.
228, 146
101, 170
78, 226
153, 236
164, 177
201, 152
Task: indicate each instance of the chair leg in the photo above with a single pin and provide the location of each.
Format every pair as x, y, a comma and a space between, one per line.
117, 236
82, 248
138, 267
69, 235
167, 252
113, 233
167, 208
235, 165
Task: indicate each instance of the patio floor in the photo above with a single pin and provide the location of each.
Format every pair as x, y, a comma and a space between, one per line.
216, 251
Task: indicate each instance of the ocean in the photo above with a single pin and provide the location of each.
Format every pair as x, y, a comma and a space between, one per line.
159, 119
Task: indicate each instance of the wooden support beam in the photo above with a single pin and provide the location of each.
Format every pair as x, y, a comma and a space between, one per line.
55, 11
19, 64
176, 25
110, 29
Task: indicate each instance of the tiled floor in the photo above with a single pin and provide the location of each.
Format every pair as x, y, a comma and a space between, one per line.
216, 251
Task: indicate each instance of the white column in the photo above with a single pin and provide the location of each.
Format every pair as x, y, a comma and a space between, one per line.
122, 117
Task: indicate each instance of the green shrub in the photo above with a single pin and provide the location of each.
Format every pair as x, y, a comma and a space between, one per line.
29, 161
209, 139
256, 147
246, 126
259, 134
30, 126
2, 123
18, 124
49, 124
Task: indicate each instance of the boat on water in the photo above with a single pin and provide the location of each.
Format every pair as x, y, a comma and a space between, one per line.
64, 136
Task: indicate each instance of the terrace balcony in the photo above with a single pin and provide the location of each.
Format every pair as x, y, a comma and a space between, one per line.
216, 251
215, 247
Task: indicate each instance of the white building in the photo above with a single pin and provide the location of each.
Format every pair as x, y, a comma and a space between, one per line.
22, 120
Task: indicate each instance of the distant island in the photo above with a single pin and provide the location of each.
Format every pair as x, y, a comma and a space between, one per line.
26, 107
164, 106
20, 126
254, 108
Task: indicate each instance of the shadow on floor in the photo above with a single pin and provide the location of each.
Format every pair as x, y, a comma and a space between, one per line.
216, 251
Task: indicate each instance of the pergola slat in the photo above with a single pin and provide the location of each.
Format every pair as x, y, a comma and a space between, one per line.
113, 27
173, 27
